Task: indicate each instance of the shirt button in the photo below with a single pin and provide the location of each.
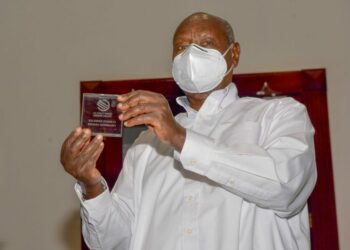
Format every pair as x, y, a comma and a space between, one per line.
189, 231
189, 198
193, 162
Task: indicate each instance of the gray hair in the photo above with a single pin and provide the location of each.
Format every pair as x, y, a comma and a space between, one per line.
226, 25
228, 30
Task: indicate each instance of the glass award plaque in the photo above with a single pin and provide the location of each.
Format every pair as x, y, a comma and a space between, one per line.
99, 114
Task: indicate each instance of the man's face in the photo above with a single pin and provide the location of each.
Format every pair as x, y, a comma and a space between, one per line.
208, 33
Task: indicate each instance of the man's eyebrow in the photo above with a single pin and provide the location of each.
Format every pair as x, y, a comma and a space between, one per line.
180, 39
207, 36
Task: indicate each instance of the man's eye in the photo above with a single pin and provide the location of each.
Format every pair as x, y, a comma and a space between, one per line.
207, 44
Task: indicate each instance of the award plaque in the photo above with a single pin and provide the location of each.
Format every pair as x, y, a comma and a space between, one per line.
99, 114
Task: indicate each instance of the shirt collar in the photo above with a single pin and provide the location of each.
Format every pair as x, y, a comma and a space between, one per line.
216, 101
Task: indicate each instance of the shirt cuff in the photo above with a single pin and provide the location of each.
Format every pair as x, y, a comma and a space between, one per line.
195, 153
97, 204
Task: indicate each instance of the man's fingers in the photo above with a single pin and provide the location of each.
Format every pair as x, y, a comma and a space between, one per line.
91, 148
80, 141
90, 160
139, 110
68, 141
72, 136
147, 119
124, 97
84, 145
98, 152
136, 97
91, 153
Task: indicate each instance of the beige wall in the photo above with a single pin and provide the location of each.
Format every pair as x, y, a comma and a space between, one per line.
47, 47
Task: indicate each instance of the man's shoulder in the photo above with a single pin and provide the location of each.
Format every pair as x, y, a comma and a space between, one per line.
253, 103
259, 110
264, 101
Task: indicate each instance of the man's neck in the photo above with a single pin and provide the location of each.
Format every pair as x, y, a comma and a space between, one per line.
196, 100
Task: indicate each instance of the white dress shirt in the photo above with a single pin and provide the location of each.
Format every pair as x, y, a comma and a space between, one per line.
241, 181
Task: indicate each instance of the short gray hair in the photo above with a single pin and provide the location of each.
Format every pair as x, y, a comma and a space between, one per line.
228, 30
226, 25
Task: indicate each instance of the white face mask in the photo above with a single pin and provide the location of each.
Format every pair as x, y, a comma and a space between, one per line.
198, 69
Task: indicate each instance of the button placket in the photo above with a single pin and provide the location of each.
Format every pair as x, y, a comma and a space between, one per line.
201, 124
190, 215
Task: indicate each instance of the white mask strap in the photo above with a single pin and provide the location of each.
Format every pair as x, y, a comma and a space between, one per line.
229, 69
229, 47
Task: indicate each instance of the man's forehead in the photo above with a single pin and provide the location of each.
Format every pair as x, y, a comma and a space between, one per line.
202, 26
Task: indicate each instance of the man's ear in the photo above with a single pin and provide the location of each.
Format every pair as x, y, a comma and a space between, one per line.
236, 51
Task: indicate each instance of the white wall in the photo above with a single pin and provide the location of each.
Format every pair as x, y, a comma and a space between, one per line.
47, 47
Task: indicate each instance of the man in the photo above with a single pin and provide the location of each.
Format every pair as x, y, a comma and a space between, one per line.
230, 173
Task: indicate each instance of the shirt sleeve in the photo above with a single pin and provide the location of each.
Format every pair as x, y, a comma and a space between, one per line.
107, 218
279, 173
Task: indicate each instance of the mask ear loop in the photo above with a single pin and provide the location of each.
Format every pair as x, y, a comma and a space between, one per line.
228, 71
228, 49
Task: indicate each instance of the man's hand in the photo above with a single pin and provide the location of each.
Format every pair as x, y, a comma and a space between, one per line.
79, 155
152, 109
